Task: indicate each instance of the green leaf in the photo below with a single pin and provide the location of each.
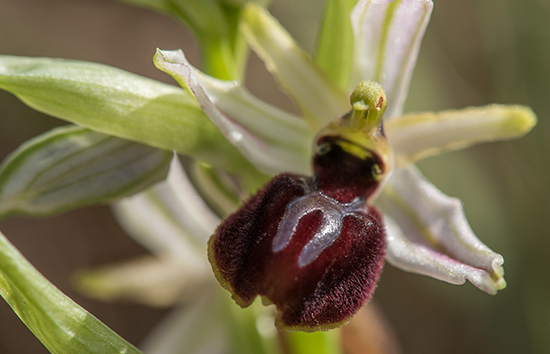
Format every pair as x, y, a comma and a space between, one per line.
335, 46
70, 167
205, 17
215, 25
56, 320
116, 102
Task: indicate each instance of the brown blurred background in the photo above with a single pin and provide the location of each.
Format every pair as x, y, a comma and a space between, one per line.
474, 53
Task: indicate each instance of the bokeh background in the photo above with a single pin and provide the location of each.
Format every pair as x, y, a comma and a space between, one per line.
474, 53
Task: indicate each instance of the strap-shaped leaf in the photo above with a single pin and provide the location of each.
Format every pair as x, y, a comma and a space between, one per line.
119, 103
71, 166
56, 320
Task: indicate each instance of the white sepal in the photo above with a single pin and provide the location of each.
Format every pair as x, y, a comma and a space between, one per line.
428, 234
387, 39
274, 141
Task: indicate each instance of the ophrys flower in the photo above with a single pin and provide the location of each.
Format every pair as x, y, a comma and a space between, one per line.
425, 231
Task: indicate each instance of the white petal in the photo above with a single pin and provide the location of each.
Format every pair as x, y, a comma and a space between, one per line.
170, 218
418, 135
197, 328
387, 39
158, 282
271, 139
319, 99
436, 238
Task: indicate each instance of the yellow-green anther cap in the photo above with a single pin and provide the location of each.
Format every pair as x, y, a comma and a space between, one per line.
368, 102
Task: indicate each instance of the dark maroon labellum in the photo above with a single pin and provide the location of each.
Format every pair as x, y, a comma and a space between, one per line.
310, 245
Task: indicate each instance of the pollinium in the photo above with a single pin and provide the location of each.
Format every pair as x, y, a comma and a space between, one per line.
313, 245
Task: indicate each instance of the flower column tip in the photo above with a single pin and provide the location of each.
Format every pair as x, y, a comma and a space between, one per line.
368, 102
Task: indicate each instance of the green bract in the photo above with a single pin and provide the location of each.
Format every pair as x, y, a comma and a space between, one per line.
70, 167
116, 102
56, 320
216, 25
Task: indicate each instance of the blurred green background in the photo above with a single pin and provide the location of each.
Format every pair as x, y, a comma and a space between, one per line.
474, 53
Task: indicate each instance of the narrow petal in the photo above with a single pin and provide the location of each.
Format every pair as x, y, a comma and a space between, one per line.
387, 38
433, 236
272, 140
153, 281
119, 103
418, 135
71, 167
170, 218
57, 321
195, 328
319, 99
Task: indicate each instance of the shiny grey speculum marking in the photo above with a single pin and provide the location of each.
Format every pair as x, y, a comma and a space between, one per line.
331, 225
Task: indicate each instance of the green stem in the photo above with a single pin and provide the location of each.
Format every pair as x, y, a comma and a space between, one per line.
248, 332
316, 342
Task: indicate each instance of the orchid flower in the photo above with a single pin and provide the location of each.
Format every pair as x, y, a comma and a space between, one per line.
426, 231
419, 229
